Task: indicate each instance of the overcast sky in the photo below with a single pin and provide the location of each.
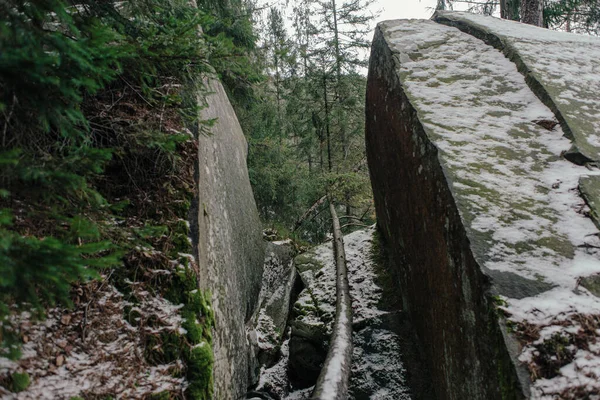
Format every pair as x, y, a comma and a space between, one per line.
395, 9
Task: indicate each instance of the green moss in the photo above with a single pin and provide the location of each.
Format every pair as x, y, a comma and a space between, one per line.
76, 398
307, 262
19, 382
199, 359
199, 363
182, 207
180, 233
195, 348
183, 282
559, 244
161, 396
194, 330
499, 301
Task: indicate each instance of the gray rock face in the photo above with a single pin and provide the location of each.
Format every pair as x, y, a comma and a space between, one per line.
386, 360
379, 370
477, 205
230, 245
279, 288
313, 314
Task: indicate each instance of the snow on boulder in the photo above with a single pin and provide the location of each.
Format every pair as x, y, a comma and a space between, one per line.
563, 69
482, 212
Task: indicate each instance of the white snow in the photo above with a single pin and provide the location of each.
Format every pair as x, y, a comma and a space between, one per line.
566, 64
109, 360
364, 291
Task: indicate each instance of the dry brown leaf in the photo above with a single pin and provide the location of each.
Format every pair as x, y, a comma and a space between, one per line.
60, 360
65, 319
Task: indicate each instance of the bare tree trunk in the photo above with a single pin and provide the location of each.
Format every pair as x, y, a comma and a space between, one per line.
509, 9
338, 73
327, 122
307, 213
333, 380
532, 12
503, 9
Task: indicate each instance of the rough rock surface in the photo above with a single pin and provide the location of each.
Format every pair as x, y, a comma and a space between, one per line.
231, 250
481, 212
562, 69
268, 325
386, 360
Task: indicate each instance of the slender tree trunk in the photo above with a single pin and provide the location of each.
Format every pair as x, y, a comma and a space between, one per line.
327, 122
532, 12
338, 73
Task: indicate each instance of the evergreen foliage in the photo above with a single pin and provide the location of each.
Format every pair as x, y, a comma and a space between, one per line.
306, 121
580, 16
93, 120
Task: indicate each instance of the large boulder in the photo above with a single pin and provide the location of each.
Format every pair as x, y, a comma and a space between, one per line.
230, 245
489, 234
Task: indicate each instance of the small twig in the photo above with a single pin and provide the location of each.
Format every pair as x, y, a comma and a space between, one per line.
115, 102
351, 217
589, 246
162, 112
136, 92
355, 224
12, 108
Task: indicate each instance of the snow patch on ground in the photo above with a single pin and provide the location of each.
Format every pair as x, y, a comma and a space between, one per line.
566, 64
107, 360
274, 379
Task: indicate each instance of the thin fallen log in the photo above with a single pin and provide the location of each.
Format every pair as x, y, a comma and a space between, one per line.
312, 209
335, 374
321, 200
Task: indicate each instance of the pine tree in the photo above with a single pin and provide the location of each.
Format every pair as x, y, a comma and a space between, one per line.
67, 137
581, 16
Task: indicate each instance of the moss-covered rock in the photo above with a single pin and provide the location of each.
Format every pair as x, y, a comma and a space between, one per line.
199, 360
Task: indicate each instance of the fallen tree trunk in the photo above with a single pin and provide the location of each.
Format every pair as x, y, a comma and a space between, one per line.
312, 209
322, 199
333, 380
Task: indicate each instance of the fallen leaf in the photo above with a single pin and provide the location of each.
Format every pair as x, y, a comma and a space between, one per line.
60, 360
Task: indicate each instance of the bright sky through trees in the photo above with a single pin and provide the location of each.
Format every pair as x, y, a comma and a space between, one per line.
396, 9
